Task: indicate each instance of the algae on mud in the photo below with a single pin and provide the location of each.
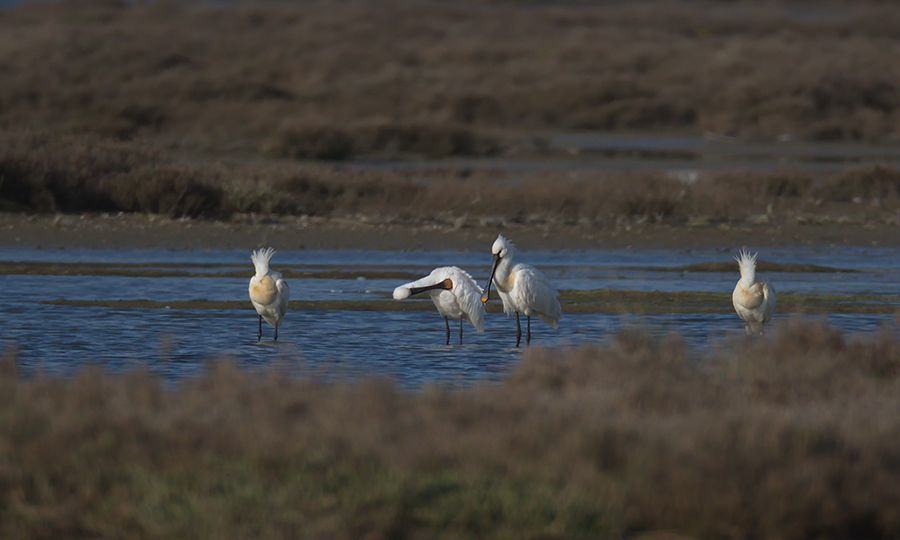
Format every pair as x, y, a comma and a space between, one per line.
573, 301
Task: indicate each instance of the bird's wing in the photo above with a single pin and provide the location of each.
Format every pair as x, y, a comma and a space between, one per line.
769, 294
464, 276
284, 294
468, 296
536, 291
508, 306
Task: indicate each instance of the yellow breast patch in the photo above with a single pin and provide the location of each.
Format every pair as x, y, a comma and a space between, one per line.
263, 291
751, 298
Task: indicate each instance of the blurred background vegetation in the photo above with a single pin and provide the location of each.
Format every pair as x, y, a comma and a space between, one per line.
202, 109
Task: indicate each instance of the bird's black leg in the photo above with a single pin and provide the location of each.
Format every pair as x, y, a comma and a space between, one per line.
518, 330
528, 336
460, 330
259, 333
276, 333
447, 322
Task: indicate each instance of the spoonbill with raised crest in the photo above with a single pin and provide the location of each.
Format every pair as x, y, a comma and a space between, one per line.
753, 297
523, 289
454, 293
269, 293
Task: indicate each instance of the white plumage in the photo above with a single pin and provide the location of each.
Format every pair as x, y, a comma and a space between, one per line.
523, 289
454, 293
753, 297
269, 293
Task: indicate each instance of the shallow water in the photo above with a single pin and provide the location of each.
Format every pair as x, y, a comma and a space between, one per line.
681, 156
408, 345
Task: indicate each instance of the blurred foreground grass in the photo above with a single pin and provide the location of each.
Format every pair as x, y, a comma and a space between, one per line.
793, 436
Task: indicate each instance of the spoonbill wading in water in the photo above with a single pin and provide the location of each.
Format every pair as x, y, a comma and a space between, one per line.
753, 297
522, 288
454, 293
269, 293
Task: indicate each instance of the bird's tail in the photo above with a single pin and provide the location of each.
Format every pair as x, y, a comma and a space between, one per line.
261, 258
747, 264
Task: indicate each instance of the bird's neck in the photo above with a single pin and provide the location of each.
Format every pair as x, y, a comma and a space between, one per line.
748, 278
501, 276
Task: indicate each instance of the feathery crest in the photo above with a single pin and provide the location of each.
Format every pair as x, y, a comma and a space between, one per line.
261, 258
501, 244
747, 265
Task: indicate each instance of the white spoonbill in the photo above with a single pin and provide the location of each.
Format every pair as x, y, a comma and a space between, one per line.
753, 297
454, 293
522, 288
269, 293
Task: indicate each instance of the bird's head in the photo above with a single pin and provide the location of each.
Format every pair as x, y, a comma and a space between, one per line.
502, 247
401, 293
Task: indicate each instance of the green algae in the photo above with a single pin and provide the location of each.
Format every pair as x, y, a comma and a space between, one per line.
631, 301
573, 301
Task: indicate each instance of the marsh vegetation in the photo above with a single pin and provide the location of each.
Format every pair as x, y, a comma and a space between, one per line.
85, 174
209, 111
792, 436
324, 80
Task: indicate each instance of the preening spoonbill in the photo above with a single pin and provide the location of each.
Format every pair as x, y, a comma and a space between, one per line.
753, 297
522, 288
454, 293
269, 293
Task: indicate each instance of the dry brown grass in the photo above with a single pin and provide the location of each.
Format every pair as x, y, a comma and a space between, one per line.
326, 80
113, 90
87, 174
790, 437
83, 173
328, 141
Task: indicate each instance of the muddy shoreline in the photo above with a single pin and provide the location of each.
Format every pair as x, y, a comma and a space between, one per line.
293, 233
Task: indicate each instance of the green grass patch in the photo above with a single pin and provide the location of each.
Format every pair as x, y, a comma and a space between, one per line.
348, 497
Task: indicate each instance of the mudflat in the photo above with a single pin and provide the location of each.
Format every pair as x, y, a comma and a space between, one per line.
289, 232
